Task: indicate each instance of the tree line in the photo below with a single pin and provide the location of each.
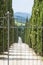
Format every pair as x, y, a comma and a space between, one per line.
4, 7
33, 33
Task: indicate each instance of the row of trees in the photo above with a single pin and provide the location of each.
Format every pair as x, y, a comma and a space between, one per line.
4, 7
34, 28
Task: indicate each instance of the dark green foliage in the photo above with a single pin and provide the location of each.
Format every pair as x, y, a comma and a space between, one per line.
4, 7
34, 34
27, 32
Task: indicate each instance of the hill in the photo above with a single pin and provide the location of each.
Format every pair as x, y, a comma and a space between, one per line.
21, 17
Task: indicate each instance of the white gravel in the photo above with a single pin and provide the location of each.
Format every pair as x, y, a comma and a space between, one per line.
20, 54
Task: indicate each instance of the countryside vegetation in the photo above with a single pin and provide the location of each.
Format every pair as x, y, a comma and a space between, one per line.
34, 31
4, 7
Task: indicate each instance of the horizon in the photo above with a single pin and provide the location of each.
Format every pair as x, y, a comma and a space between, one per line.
22, 13
23, 6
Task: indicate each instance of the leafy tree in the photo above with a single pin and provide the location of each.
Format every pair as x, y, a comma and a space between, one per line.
4, 7
35, 32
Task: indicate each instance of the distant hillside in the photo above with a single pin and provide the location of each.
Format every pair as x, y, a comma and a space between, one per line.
19, 24
21, 17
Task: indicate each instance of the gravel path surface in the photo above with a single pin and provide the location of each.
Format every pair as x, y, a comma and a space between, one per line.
20, 54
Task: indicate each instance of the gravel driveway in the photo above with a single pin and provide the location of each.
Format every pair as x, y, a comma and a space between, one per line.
20, 54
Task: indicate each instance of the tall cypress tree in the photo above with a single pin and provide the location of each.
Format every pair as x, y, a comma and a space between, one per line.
36, 30
4, 7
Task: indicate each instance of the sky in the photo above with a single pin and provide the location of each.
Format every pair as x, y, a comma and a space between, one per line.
22, 6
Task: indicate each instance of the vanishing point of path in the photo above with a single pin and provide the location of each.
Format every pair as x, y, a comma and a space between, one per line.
20, 54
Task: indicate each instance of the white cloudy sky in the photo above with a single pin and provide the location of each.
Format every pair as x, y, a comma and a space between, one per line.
22, 5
